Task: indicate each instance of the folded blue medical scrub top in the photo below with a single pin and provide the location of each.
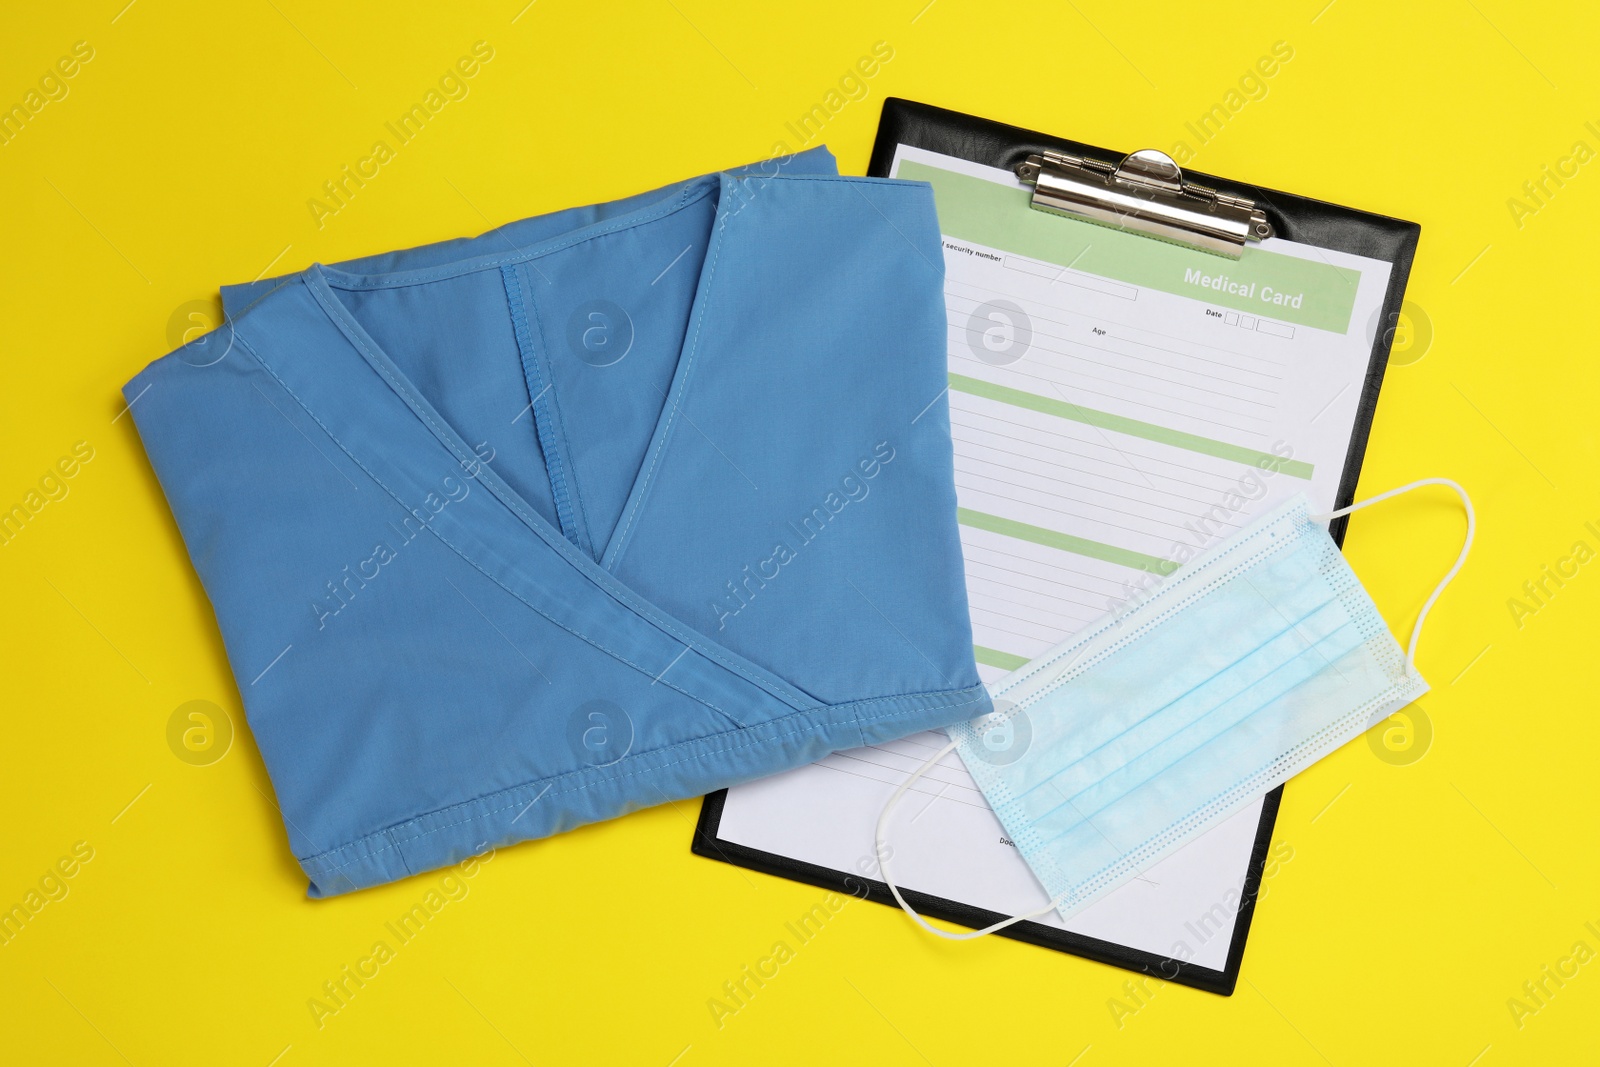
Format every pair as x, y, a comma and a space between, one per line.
604, 508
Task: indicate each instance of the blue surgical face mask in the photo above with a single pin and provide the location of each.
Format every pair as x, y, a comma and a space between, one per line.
1243, 668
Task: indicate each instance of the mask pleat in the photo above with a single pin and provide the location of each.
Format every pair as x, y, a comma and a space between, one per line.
1192, 721
1244, 667
1172, 763
1121, 694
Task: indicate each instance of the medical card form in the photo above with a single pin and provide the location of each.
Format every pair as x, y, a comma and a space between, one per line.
1117, 404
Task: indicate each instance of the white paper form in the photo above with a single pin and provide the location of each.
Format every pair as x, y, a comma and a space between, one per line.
1117, 404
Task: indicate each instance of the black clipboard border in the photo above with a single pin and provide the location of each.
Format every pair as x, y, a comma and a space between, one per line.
1297, 218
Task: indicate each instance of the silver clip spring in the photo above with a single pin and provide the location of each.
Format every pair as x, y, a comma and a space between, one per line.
1146, 193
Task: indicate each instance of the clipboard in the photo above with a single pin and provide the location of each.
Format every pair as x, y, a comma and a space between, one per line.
1145, 193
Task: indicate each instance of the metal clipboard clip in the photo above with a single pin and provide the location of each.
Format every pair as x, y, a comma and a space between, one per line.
1145, 193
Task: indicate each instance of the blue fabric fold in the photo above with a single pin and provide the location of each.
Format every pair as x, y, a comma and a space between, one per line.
604, 508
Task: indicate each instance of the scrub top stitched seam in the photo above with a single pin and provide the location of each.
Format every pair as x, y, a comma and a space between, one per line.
250, 306
740, 743
677, 389
694, 189
605, 581
544, 426
524, 786
619, 657
540, 340
423, 276
357, 281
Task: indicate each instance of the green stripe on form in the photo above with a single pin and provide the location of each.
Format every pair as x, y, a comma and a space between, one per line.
1006, 661
1082, 546
1062, 409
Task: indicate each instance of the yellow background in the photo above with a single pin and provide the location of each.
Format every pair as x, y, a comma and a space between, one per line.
1420, 895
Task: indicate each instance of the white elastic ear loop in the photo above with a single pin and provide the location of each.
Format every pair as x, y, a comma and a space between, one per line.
883, 861
1416, 631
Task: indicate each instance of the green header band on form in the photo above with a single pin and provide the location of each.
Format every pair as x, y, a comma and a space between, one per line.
1267, 284
1295, 468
